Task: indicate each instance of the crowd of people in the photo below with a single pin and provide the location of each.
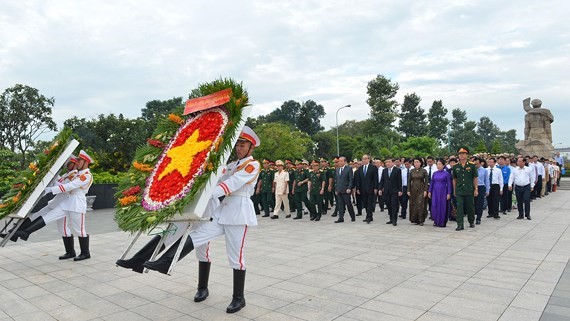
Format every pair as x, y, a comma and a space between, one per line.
439, 189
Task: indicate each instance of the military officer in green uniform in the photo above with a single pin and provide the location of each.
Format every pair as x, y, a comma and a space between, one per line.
290, 167
273, 169
264, 186
317, 179
300, 189
465, 183
327, 196
332, 187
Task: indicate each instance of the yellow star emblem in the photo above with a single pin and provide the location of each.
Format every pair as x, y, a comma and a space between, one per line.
181, 157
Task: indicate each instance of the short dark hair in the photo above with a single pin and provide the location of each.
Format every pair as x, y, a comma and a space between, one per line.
430, 157
441, 160
492, 158
503, 157
420, 159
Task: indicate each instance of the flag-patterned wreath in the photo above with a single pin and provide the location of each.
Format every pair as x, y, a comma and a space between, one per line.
177, 161
30, 177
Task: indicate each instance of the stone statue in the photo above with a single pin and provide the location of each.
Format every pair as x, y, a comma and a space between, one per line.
537, 130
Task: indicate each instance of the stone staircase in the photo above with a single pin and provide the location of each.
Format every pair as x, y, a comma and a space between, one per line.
564, 184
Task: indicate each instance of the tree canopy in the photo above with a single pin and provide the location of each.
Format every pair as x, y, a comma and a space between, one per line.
381, 93
25, 114
412, 117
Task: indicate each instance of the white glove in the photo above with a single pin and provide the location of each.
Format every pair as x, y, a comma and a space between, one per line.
47, 191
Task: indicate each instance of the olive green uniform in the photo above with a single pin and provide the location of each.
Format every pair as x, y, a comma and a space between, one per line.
328, 197
291, 196
317, 178
266, 185
464, 191
301, 193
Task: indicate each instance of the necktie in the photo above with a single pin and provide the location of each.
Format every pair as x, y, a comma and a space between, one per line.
389, 172
340, 171
365, 167
491, 175
430, 172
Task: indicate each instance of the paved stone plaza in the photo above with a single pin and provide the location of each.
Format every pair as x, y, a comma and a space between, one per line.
504, 269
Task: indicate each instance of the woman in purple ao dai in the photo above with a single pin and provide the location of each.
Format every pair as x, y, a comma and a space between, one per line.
440, 194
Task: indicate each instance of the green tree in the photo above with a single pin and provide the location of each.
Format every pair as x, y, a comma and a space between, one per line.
487, 131
366, 145
8, 169
462, 131
508, 139
412, 117
113, 139
497, 148
25, 114
381, 93
438, 122
422, 146
155, 109
309, 119
481, 148
288, 113
326, 144
346, 144
279, 141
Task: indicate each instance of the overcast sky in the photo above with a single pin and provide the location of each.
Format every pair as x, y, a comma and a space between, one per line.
485, 57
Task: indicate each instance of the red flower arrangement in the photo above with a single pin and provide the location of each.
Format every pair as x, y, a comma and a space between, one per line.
132, 191
183, 159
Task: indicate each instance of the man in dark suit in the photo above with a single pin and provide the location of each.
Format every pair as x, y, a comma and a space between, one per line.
391, 187
343, 189
366, 184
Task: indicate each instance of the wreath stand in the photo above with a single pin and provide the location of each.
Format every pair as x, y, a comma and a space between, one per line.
22, 213
170, 228
193, 211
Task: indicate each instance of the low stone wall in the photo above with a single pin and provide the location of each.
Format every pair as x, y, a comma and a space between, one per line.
104, 193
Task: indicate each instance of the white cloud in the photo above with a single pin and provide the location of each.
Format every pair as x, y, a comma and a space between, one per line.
106, 57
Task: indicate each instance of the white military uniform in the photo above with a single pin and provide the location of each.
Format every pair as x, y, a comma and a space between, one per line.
234, 215
54, 202
75, 205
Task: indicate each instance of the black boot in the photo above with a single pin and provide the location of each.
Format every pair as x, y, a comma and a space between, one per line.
24, 225
37, 224
203, 276
69, 248
84, 245
238, 299
144, 254
163, 263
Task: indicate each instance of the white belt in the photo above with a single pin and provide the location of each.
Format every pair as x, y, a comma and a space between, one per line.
241, 194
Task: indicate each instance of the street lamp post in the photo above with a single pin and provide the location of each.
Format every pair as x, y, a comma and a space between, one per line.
337, 143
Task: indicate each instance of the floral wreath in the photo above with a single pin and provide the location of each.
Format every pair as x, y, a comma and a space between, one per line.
178, 159
28, 180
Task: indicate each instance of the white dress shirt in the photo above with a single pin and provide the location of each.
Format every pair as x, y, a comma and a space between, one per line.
380, 169
540, 169
497, 176
405, 176
522, 177
534, 170
433, 170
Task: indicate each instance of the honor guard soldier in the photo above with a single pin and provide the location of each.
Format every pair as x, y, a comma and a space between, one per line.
317, 180
264, 186
300, 189
73, 206
61, 223
465, 183
231, 218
